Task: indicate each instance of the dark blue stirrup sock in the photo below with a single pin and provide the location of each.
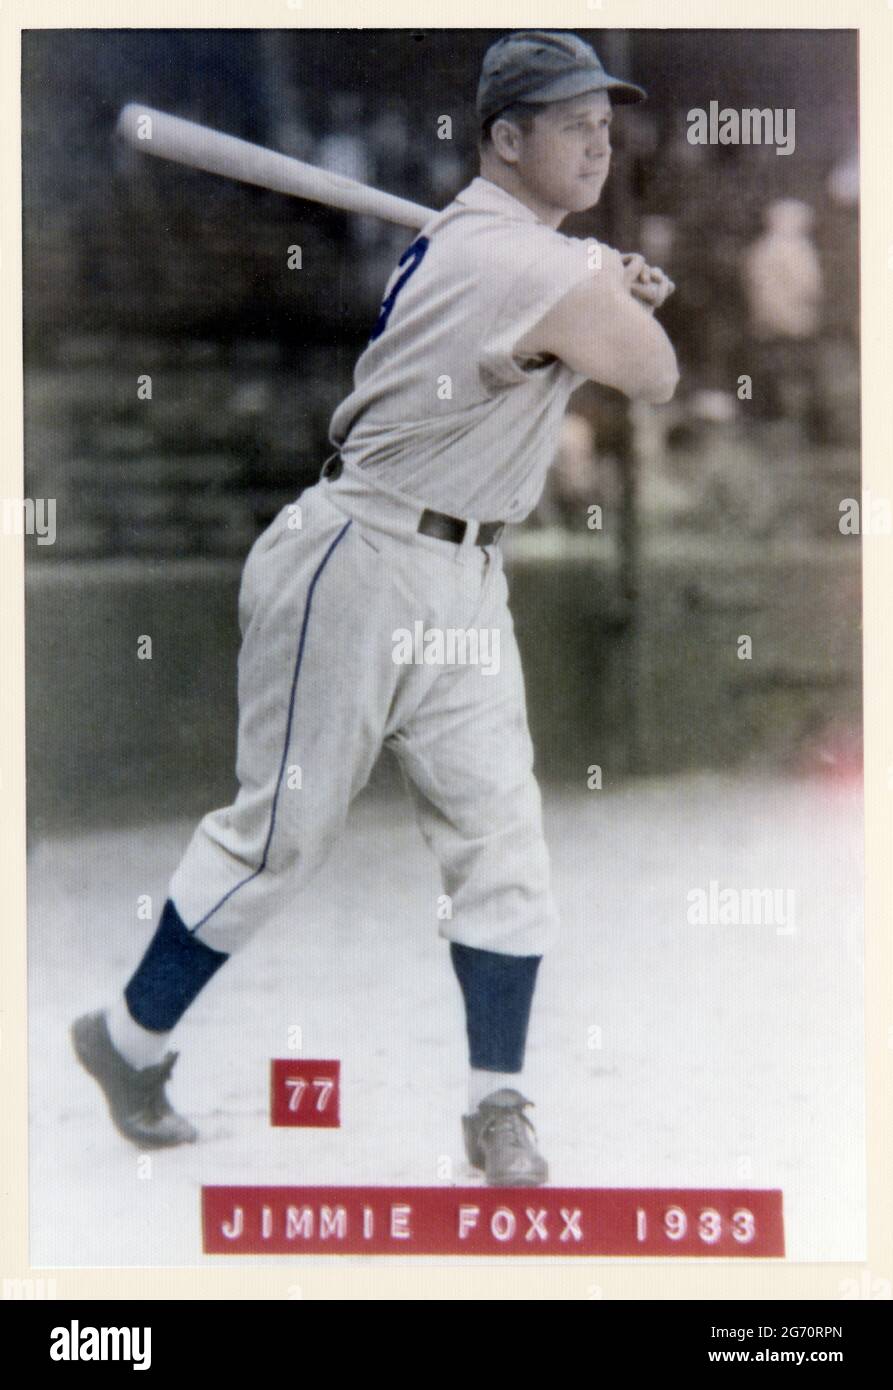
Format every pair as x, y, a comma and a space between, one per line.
175, 968
498, 992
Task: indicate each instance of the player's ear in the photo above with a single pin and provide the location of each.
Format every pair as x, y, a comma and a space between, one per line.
507, 138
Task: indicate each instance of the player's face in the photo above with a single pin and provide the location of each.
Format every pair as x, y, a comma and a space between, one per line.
564, 159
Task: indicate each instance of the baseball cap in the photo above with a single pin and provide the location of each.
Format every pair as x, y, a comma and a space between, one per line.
539, 66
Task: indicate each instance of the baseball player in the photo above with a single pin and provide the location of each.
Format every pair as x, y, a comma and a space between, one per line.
490, 320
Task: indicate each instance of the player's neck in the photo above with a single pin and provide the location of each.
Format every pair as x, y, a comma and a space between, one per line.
506, 178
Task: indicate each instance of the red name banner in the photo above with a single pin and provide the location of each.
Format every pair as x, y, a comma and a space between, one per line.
685, 1222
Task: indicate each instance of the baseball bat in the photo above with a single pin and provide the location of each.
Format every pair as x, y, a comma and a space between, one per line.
200, 147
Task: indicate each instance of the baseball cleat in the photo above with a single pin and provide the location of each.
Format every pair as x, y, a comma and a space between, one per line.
136, 1097
498, 1140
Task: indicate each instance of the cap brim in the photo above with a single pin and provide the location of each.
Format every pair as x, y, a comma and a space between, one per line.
576, 84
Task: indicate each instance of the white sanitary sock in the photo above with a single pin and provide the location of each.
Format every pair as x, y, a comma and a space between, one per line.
137, 1045
484, 1083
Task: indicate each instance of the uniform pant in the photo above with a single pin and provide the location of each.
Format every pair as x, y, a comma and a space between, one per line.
334, 594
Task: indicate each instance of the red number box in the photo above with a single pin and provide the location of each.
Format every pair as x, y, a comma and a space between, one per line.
305, 1093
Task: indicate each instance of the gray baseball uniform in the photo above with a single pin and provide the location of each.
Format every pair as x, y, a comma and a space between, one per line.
441, 409
340, 614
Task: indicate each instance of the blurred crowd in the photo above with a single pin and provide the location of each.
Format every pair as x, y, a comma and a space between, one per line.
764, 430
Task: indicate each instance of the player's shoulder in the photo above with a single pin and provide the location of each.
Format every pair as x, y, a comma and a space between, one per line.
492, 224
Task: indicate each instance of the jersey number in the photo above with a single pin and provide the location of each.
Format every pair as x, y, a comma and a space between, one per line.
412, 258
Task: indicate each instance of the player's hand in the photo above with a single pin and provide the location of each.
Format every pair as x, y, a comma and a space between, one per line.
648, 284
642, 280
634, 266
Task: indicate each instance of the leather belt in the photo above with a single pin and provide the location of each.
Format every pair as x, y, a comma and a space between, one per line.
451, 528
431, 523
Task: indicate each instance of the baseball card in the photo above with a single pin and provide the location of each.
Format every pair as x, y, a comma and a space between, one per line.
444, 520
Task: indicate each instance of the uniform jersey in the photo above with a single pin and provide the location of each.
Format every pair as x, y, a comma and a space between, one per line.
442, 409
